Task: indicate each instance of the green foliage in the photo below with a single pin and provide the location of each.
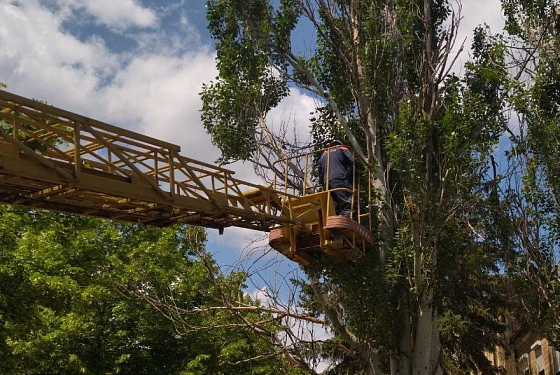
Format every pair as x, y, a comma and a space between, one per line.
69, 301
524, 17
363, 288
252, 77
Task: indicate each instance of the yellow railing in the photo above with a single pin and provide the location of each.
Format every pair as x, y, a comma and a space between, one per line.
300, 179
55, 159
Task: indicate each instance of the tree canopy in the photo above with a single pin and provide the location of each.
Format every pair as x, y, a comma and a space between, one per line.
464, 166
74, 300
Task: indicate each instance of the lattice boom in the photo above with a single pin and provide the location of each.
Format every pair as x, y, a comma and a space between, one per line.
54, 159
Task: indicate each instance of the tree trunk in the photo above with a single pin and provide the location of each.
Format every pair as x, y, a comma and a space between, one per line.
401, 363
426, 344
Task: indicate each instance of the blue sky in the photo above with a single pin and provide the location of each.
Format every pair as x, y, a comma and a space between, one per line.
140, 64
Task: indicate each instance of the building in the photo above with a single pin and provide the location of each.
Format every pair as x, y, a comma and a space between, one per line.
527, 353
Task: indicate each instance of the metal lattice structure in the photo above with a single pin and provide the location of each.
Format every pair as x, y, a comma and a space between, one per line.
58, 160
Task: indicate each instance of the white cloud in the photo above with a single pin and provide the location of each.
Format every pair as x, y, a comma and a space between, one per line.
263, 296
118, 14
236, 240
159, 95
294, 110
476, 13
148, 91
39, 60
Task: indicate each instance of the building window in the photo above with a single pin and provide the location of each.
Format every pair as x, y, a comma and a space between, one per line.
537, 348
523, 364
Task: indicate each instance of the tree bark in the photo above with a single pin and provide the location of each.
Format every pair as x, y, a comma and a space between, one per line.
427, 336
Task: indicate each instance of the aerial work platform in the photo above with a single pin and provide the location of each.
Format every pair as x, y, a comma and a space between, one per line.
57, 160
338, 237
320, 232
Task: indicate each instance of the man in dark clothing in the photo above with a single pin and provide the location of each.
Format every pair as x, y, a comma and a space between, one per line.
340, 164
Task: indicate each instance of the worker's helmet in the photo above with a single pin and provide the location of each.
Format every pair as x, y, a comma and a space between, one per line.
335, 142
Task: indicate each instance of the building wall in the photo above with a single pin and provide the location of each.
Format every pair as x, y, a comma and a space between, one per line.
529, 354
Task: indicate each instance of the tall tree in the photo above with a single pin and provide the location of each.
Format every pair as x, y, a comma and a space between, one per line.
381, 73
533, 36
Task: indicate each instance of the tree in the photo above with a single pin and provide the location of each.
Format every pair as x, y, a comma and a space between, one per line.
428, 297
533, 32
69, 303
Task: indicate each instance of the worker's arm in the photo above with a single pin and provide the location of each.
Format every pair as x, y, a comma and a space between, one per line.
349, 157
349, 164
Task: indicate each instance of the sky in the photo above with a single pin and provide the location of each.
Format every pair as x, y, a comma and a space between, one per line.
140, 64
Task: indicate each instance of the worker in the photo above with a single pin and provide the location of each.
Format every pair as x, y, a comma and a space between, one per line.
340, 175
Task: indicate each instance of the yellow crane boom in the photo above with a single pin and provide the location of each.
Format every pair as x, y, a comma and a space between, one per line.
58, 160
54, 159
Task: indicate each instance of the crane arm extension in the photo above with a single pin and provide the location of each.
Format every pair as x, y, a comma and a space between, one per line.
54, 159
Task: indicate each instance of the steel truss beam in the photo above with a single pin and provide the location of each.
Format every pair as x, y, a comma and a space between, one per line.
58, 160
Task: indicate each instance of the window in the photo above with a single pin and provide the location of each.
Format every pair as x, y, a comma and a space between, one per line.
523, 365
538, 351
537, 348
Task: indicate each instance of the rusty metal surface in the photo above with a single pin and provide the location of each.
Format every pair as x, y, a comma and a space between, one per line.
343, 223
